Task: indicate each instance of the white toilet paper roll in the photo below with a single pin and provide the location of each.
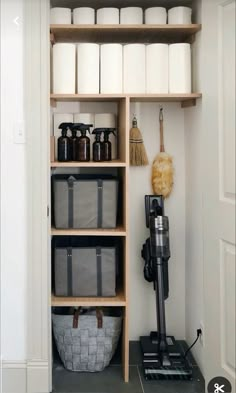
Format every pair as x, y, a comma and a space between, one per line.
86, 118
111, 79
108, 16
134, 68
88, 68
180, 15
157, 68
131, 15
59, 118
64, 68
155, 16
180, 68
83, 16
108, 120
60, 16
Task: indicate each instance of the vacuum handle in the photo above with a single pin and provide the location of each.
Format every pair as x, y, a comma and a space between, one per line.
162, 148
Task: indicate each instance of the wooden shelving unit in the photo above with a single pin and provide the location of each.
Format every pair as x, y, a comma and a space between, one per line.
124, 33
90, 164
116, 301
185, 99
118, 231
117, 33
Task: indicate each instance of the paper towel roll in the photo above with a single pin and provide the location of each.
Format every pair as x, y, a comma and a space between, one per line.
59, 118
180, 15
111, 69
86, 118
61, 16
155, 16
180, 68
88, 68
157, 68
134, 68
64, 68
83, 16
108, 120
108, 15
131, 16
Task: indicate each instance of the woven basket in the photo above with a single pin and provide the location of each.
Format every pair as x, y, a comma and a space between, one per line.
86, 342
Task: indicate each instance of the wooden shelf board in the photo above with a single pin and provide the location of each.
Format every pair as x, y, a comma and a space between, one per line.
118, 300
87, 97
164, 97
119, 231
90, 164
132, 97
123, 33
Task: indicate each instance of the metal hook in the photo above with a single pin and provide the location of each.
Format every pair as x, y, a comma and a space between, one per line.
161, 114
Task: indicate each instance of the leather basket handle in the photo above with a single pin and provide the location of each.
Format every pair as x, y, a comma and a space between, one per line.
99, 315
76, 318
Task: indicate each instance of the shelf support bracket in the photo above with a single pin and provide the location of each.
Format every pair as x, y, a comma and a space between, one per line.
189, 103
52, 38
191, 39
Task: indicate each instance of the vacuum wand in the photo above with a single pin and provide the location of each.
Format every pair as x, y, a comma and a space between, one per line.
160, 253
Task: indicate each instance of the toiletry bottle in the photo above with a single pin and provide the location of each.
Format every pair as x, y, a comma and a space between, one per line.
98, 145
74, 139
64, 143
83, 143
107, 146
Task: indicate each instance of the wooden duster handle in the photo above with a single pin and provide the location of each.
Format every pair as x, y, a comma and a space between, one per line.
162, 148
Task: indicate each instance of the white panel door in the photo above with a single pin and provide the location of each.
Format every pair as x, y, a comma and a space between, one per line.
219, 187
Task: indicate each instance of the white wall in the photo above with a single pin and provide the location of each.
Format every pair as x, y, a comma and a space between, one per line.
194, 208
13, 186
142, 296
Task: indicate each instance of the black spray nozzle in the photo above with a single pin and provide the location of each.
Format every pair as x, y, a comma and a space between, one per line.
66, 126
107, 131
83, 128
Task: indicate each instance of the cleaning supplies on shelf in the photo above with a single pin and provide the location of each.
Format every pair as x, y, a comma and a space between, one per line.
107, 146
83, 142
98, 145
64, 143
108, 120
102, 150
162, 168
74, 140
138, 155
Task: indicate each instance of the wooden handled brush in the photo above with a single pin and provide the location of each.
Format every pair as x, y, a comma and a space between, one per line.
162, 167
138, 155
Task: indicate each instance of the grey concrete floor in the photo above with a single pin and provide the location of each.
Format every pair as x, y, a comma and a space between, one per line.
110, 380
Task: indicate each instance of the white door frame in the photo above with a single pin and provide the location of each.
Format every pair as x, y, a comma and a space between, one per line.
37, 104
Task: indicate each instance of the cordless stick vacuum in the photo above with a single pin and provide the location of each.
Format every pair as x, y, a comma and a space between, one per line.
162, 356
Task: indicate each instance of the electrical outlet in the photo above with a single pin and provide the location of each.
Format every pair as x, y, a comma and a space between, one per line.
201, 338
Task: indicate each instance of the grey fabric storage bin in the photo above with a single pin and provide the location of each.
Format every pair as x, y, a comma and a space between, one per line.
85, 202
85, 271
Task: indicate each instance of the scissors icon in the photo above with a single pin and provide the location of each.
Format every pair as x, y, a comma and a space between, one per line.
219, 389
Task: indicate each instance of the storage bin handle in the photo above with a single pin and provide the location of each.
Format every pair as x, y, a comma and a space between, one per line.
99, 315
